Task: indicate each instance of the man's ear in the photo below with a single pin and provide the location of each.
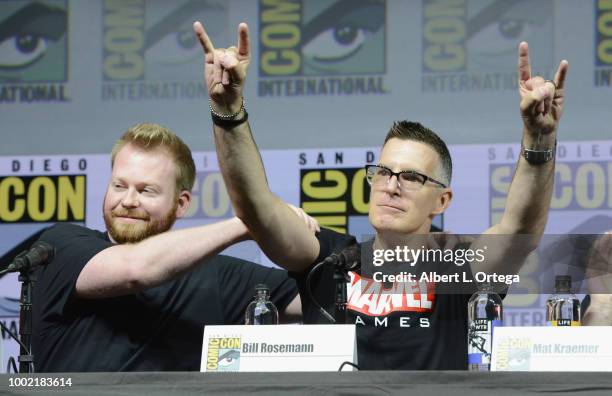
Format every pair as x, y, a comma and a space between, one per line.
184, 199
443, 202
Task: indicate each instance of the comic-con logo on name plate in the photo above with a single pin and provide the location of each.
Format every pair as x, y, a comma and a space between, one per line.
326, 47
603, 43
223, 354
472, 45
149, 50
514, 354
33, 51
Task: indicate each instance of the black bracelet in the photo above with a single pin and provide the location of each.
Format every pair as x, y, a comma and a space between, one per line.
538, 157
229, 124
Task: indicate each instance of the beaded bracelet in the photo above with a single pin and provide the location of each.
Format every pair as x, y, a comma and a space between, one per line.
225, 116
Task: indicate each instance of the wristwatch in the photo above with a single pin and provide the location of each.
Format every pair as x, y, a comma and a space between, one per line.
538, 157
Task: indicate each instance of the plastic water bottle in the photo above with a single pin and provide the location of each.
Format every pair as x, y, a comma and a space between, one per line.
485, 312
261, 311
562, 307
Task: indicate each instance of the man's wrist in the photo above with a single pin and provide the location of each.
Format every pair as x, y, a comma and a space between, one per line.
538, 141
242, 232
226, 112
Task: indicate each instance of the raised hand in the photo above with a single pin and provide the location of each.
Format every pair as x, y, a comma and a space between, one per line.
541, 100
225, 69
310, 222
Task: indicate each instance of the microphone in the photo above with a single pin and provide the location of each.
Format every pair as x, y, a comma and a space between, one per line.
349, 259
39, 254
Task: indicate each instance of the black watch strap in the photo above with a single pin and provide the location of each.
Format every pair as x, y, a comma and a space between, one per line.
230, 123
538, 157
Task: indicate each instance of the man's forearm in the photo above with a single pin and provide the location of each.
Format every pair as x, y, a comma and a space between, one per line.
530, 192
128, 268
279, 232
167, 255
243, 171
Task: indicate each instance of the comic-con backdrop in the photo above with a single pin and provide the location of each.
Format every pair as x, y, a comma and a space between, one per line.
327, 78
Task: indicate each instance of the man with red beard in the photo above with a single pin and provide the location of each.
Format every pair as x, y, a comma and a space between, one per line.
137, 298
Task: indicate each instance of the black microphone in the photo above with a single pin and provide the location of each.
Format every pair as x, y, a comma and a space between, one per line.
349, 259
40, 253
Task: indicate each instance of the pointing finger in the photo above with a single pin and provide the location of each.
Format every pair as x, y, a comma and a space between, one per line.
244, 44
524, 67
561, 74
207, 45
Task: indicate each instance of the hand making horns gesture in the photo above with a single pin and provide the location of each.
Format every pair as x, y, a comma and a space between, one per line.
541, 100
225, 69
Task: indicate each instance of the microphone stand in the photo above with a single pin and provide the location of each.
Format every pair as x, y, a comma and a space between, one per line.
341, 278
26, 358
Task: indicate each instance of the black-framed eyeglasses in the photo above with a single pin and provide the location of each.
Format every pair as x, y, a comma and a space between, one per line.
406, 180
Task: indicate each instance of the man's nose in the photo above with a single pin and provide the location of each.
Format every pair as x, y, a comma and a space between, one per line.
392, 185
130, 199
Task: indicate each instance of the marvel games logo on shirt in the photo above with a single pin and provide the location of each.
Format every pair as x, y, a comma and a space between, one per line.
603, 43
149, 47
472, 45
376, 302
327, 47
33, 51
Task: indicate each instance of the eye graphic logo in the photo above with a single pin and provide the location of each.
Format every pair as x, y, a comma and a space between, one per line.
336, 39
150, 51
33, 42
472, 44
223, 354
514, 354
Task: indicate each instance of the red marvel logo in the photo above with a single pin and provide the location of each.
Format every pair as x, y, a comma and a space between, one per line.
369, 297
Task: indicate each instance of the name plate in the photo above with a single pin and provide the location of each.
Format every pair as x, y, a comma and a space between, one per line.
278, 348
552, 349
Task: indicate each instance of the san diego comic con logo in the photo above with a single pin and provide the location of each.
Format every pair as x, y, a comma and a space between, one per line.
33, 51
42, 198
223, 354
603, 43
471, 45
149, 50
514, 354
580, 185
326, 47
55, 191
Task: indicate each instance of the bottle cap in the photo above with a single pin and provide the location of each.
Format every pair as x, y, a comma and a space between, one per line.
262, 289
563, 283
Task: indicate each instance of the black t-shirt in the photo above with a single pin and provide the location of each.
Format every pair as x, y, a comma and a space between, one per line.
159, 329
397, 329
